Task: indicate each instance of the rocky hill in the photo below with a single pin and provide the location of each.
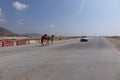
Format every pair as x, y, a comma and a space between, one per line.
5, 32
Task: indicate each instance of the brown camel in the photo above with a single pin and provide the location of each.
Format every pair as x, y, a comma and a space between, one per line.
52, 38
45, 38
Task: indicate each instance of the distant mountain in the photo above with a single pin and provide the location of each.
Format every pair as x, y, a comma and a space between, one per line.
5, 32
31, 34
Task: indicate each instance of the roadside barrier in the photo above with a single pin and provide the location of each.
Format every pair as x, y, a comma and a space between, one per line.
0, 44
33, 41
28, 42
7, 44
14, 43
21, 42
38, 41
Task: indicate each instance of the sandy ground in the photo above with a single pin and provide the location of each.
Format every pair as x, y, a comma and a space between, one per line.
35, 37
18, 38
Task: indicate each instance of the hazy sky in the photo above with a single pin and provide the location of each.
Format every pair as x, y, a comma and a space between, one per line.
61, 17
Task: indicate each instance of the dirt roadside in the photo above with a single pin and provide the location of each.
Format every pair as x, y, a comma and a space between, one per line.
115, 41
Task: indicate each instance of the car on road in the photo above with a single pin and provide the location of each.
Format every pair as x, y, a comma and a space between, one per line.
83, 39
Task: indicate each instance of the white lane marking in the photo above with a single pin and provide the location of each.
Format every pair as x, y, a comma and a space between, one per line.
112, 46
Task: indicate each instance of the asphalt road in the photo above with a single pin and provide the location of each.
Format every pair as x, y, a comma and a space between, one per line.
65, 60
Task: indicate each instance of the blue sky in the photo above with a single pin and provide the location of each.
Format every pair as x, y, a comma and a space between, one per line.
61, 17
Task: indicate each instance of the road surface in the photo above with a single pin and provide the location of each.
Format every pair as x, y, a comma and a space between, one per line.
65, 60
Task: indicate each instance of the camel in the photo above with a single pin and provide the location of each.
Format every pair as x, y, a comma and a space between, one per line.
52, 38
45, 38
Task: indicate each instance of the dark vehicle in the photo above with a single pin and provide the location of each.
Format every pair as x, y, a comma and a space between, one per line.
84, 39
